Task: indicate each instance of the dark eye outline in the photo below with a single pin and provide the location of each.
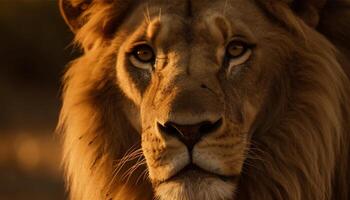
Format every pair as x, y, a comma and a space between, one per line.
246, 46
135, 53
135, 61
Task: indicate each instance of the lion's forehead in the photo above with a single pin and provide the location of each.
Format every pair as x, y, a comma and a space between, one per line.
207, 21
192, 8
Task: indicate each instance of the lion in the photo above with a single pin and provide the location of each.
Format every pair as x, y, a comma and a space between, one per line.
209, 100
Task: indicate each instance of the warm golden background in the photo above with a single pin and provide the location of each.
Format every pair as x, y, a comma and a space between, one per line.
34, 48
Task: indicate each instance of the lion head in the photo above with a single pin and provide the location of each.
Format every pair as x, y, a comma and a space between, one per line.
212, 100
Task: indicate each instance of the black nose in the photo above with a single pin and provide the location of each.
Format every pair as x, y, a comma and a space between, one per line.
192, 133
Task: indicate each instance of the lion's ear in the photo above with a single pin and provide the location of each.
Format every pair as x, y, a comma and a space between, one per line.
72, 12
308, 10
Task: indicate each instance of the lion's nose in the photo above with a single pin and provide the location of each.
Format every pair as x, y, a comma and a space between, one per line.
190, 134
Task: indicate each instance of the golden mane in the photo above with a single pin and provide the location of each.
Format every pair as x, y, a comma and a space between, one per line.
301, 151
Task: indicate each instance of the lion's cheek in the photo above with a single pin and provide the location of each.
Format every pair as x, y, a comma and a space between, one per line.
249, 115
126, 83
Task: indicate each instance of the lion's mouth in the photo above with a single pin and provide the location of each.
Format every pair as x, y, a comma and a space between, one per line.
193, 171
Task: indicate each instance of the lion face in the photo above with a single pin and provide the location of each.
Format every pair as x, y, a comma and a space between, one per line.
197, 89
215, 97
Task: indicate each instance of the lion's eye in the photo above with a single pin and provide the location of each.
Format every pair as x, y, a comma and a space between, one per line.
143, 53
238, 52
142, 56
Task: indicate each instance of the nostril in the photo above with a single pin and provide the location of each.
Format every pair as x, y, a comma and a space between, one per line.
169, 129
190, 134
208, 127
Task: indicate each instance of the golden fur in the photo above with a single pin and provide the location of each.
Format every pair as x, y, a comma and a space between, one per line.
292, 143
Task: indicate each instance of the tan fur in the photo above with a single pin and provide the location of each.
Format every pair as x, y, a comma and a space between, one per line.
285, 132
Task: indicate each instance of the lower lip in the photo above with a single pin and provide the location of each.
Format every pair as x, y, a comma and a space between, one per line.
194, 171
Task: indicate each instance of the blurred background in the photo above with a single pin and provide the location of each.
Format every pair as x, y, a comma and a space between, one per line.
34, 48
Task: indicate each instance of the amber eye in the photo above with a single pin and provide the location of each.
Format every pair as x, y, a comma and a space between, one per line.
142, 56
236, 49
238, 52
143, 53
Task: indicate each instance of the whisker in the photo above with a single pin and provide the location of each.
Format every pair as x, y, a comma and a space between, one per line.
131, 171
122, 163
225, 6
143, 175
133, 153
160, 14
133, 167
148, 16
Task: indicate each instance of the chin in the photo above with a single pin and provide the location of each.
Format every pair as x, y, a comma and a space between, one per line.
196, 184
